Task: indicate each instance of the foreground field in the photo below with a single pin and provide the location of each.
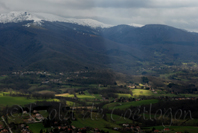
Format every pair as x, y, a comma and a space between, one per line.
36, 127
174, 129
118, 119
95, 122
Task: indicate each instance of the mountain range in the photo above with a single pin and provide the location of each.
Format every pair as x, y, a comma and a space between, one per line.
53, 43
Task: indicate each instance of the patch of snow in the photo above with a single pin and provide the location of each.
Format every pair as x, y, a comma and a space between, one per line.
27, 25
136, 25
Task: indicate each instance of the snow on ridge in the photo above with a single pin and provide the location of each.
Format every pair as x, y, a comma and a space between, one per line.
88, 22
85, 22
135, 25
38, 18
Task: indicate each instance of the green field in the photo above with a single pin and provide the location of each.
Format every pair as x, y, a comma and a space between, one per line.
125, 105
123, 95
165, 76
118, 119
94, 85
136, 93
69, 103
189, 95
98, 96
44, 113
173, 129
65, 95
36, 127
95, 122
3, 77
8, 100
161, 93
79, 96
37, 87
141, 92
85, 96
8, 92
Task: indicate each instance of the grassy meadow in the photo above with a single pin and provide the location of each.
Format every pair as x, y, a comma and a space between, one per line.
141, 92
125, 105
118, 119
36, 127
174, 129
82, 96
95, 121
10, 101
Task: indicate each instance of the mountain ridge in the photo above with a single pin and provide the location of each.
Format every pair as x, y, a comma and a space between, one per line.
62, 47
38, 18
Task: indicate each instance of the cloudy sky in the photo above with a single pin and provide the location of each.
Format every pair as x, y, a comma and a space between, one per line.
178, 13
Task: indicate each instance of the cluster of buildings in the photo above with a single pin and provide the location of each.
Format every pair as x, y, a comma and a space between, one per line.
30, 73
129, 128
3, 129
52, 81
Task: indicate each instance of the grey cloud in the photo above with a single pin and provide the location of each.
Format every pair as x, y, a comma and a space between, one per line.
3, 7
122, 3
88, 4
141, 3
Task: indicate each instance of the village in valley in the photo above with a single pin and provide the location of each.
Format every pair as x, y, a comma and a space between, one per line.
102, 101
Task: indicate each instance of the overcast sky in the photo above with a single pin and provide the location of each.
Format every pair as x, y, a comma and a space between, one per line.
178, 13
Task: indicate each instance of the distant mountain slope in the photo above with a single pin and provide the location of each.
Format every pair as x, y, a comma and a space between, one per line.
159, 42
56, 46
150, 34
63, 46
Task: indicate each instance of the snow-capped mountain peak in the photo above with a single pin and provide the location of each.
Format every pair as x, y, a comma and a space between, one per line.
38, 18
16, 17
